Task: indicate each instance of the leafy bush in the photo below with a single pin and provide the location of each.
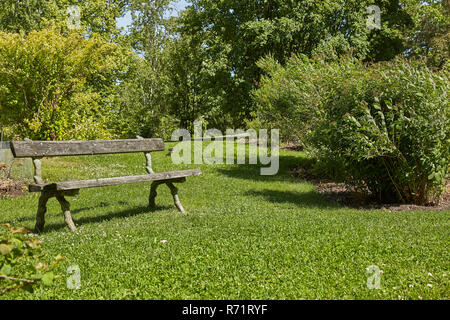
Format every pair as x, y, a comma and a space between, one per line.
383, 129
281, 97
167, 125
21, 261
290, 96
56, 86
142, 110
256, 123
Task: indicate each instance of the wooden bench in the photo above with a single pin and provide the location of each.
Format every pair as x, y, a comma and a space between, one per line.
39, 149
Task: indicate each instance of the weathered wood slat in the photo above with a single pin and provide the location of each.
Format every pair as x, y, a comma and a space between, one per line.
71, 185
32, 149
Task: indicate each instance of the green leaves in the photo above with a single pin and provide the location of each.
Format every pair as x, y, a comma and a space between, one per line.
5, 269
21, 261
47, 278
67, 84
384, 126
97, 16
5, 249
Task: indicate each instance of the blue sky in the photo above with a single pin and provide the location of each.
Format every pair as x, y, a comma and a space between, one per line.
177, 5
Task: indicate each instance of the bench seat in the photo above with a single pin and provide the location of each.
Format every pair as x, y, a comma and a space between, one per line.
106, 182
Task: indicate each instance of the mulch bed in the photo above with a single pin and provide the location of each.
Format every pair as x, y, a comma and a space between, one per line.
339, 193
12, 188
292, 146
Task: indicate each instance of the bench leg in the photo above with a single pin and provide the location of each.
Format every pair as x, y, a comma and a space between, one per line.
65, 206
176, 200
153, 194
173, 190
42, 209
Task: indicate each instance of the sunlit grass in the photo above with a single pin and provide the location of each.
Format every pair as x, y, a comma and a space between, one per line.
245, 237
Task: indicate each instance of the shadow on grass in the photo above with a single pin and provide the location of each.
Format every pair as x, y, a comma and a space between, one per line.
309, 199
73, 212
100, 205
93, 219
104, 217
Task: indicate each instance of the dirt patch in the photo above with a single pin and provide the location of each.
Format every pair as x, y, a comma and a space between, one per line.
292, 146
12, 188
339, 193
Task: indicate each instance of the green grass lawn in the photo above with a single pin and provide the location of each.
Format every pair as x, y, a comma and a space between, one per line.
245, 237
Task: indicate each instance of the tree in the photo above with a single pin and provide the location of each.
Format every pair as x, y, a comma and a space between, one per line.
234, 35
430, 35
96, 16
144, 106
183, 78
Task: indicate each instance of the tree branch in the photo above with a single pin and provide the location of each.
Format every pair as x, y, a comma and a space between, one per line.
17, 279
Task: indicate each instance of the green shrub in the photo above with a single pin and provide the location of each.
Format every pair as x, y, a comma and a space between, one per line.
167, 125
383, 129
56, 86
290, 96
256, 123
22, 264
283, 97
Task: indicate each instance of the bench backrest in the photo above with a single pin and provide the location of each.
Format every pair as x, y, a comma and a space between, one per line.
39, 149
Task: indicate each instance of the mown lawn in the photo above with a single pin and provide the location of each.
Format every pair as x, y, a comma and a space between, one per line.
244, 237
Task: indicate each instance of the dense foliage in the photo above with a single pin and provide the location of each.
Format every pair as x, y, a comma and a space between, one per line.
204, 62
96, 16
22, 264
58, 86
142, 99
382, 128
222, 41
165, 72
